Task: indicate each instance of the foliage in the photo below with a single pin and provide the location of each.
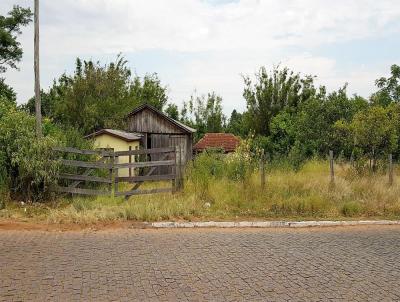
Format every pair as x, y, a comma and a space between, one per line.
7, 93
236, 124
240, 164
306, 194
10, 27
206, 167
204, 113
374, 132
270, 93
28, 166
172, 111
389, 88
98, 96
315, 121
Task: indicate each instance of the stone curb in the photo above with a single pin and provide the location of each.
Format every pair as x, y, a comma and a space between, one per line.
268, 224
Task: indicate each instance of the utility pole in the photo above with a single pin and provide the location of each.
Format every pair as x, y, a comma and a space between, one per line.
38, 107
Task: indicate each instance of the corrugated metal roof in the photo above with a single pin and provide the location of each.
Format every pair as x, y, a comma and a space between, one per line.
126, 136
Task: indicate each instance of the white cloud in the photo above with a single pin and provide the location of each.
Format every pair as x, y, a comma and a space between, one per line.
237, 37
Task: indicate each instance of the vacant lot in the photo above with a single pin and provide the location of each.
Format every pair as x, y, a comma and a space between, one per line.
349, 264
306, 194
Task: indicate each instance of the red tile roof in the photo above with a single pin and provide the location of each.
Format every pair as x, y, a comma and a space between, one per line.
226, 141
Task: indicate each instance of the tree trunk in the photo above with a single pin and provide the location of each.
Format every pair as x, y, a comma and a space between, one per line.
38, 106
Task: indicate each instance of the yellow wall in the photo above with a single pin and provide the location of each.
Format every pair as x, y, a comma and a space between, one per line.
108, 141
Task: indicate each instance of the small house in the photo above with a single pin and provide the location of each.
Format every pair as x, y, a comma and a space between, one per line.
118, 141
159, 130
227, 142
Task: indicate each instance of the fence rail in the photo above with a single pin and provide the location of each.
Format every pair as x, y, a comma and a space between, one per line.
110, 161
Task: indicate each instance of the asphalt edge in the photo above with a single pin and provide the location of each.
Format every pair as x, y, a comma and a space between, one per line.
268, 224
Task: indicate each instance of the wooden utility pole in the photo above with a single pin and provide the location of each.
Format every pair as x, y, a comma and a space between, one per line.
38, 107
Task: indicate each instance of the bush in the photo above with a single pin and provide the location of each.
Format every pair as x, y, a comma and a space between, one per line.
241, 164
350, 209
28, 166
206, 167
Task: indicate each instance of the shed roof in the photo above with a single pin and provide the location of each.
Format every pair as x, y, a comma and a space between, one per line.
180, 125
126, 136
226, 141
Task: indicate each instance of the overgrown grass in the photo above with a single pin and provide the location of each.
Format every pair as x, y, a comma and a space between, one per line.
306, 194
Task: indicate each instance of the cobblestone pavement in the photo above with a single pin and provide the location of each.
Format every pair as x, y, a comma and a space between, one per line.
331, 264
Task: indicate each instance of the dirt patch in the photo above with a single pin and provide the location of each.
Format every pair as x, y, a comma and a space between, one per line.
13, 225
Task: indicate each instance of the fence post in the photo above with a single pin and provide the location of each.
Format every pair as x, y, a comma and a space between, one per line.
390, 169
262, 170
116, 182
130, 161
180, 168
111, 162
331, 166
174, 169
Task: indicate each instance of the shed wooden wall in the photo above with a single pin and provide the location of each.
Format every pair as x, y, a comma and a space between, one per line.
161, 132
147, 121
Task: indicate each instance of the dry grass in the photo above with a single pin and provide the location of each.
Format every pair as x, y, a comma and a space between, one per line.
307, 194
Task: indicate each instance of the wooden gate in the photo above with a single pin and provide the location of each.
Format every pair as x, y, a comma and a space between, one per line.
149, 161
104, 162
141, 164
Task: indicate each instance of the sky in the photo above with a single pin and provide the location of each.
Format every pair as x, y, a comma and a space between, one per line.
199, 46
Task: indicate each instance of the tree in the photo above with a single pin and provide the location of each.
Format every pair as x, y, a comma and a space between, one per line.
149, 91
7, 93
270, 93
10, 49
205, 114
374, 132
314, 123
236, 124
10, 27
172, 111
389, 88
98, 96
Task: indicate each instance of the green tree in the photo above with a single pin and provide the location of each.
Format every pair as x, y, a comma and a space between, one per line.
389, 88
374, 132
149, 91
236, 124
206, 113
7, 92
315, 121
10, 27
172, 111
283, 133
98, 96
10, 49
270, 93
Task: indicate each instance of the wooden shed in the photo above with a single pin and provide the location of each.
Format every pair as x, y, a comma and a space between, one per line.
159, 130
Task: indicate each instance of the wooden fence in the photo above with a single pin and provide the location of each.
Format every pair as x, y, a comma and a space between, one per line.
141, 170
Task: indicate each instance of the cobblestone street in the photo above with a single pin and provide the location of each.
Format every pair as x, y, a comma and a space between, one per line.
328, 264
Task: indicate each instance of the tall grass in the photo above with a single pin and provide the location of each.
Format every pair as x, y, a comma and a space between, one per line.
228, 187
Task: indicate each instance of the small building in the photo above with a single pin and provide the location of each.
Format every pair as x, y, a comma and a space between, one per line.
118, 141
224, 141
159, 130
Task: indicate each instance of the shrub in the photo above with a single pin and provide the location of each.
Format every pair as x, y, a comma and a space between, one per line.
351, 209
240, 164
28, 166
206, 167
